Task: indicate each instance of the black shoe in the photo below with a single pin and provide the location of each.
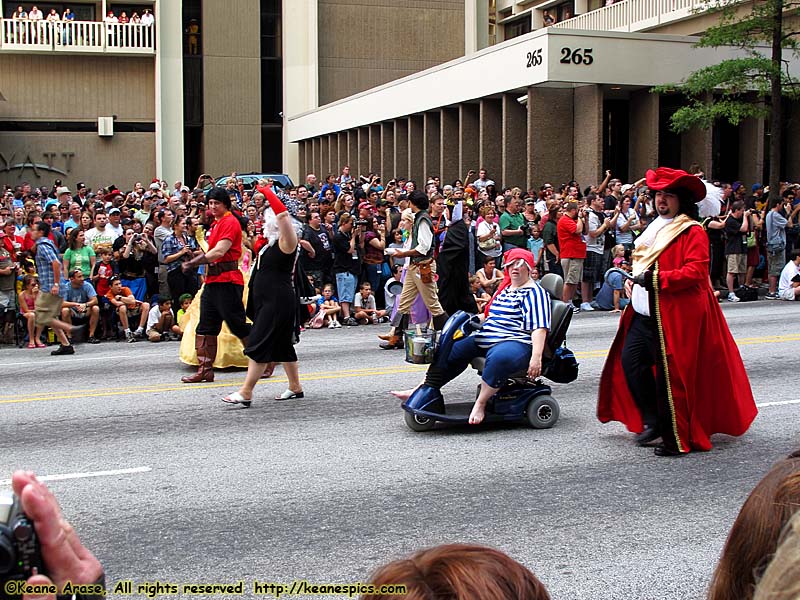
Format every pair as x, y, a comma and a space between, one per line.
62, 349
649, 434
92, 340
662, 450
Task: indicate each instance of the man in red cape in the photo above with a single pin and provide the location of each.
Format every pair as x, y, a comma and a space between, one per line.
673, 370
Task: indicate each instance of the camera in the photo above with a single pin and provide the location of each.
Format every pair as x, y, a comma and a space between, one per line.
20, 553
137, 237
361, 222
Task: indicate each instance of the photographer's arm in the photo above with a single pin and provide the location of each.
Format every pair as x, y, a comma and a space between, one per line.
65, 558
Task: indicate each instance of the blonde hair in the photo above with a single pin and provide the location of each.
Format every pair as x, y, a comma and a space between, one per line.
781, 580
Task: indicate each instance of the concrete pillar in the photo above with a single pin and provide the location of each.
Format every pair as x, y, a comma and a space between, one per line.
476, 25
751, 152
341, 154
169, 106
515, 143
643, 140
352, 152
401, 148
363, 152
468, 139
697, 147
325, 157
387, 152
550, 114
490, 151
309, 161
316, 163
448, 145
336, 165
433, 138
416, 160
375, 148
301, 161
588, 135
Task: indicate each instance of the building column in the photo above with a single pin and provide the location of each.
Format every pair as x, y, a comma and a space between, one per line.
468, 139
514, 154
301, 160
697, 146
316, 160
550, 115
387, 152
448, 145
309, 163
433, 138
324, 158
643, 140
363, 151
341, 153
352, 152
375, 148
336, 165
751, 152
490, 139
416, 141
169, 106
401, 148
476, 25
588, 135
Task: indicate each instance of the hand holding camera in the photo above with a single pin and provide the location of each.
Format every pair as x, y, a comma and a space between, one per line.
38, 546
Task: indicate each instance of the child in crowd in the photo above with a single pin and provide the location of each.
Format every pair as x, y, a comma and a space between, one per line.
160, 322
328, 310
185, 301
127, 307
480, 295
104, 270
366, 310
27, 302
536, 245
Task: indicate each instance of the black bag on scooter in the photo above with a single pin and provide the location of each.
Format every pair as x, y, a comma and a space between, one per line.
563, 367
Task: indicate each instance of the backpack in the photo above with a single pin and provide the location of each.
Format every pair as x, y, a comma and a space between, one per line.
563, 367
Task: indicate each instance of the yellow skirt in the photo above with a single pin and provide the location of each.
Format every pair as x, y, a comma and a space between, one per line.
230, 352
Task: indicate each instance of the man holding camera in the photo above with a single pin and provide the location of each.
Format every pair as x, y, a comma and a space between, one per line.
736, 227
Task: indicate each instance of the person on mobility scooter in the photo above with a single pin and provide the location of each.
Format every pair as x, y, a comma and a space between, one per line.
506, 346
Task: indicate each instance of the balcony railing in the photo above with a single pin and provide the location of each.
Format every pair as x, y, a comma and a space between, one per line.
634, 15
76, 36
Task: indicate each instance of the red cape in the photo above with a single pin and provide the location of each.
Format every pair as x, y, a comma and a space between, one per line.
710, 389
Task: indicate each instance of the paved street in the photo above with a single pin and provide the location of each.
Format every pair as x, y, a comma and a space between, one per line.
329, 487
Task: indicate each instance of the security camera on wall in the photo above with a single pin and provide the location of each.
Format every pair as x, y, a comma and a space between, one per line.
523, 100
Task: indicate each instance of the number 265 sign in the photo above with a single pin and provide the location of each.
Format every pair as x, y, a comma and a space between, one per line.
569, 56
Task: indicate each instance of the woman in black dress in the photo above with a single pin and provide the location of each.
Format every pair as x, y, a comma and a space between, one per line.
274, 305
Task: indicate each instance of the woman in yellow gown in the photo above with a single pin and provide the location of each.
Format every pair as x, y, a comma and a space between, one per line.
230, 352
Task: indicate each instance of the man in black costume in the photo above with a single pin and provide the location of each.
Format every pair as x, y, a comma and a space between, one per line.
452, 265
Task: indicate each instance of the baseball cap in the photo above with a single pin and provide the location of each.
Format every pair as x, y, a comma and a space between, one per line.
62, 190
113, 210
155, 186
366, 205
756, 187
184, 188
626, 187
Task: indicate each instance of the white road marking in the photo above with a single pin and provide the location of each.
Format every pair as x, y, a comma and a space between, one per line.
65, 476
781, 403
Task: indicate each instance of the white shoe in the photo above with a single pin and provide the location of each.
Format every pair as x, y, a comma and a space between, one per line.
332, 325
733, 297
586, 307
337, 325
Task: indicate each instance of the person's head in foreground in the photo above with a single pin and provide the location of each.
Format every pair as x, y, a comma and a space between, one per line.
754, 536
458, 572
781, 580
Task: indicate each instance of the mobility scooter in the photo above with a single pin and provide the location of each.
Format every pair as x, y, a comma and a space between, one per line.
520, 399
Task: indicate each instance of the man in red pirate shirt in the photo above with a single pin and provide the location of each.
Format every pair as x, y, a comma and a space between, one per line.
224, 285
673, 370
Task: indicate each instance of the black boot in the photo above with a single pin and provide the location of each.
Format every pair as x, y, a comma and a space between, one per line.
439, 321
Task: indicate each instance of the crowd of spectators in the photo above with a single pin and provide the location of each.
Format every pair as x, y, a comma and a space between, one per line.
138, 239
35, 14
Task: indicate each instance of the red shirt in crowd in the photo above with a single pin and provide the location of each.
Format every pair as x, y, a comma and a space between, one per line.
227, 228
570, 242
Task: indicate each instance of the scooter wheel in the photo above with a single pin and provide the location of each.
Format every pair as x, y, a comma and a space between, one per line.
543, 412
418, 422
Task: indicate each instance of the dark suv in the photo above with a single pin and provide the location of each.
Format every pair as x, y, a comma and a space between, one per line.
249, 180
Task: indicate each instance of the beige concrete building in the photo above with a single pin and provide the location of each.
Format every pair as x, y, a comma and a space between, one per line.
532, 103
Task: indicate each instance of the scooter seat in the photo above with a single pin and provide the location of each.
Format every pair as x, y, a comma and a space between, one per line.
479, 362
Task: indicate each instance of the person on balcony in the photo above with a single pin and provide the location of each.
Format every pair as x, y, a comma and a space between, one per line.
147, 17
37, 28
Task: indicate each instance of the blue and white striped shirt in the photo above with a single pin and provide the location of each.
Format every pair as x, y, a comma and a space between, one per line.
514, 314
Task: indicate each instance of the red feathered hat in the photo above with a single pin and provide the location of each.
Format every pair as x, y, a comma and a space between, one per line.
664, 178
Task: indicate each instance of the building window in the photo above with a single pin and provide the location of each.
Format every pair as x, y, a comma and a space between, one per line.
492, 22
517, 27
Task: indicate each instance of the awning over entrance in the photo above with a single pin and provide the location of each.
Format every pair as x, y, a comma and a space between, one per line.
556, 58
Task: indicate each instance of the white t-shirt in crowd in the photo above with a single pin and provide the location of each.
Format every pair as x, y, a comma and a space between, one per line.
785, 290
